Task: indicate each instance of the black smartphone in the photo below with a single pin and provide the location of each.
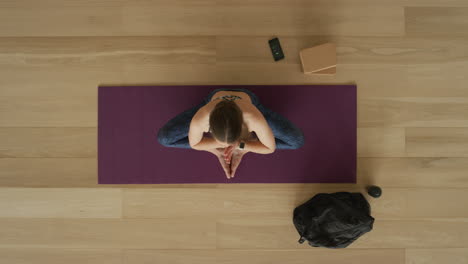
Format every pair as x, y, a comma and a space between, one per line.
276, 49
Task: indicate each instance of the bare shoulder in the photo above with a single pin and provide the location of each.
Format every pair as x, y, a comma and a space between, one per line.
252, 117
249, 110
200, 120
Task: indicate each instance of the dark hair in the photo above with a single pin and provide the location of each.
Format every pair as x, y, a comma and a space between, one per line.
226, 121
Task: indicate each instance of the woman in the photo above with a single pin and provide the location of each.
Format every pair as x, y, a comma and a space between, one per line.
237, 124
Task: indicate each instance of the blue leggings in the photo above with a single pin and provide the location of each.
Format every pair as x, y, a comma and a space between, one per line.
175, 132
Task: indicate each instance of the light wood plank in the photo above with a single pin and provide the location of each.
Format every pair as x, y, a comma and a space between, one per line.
61, 21
437, 255
64, 172
313, 19
435, 3
48, 142
167, 233
441, 20
396, 203
106, 51
281, 18
257, 233
428, 80
413, 112
48, 110
74, 80
235, 200
419, 203
48, 172
60, 256
350, 50
172, 19
275, 200
414, 172
203, 74
60, 203
68, 80
54, 3
437, 142
416, 234
163, 203
313, 256
202, 18
171, 256
226, 199
306, 3
279, 233
381, 142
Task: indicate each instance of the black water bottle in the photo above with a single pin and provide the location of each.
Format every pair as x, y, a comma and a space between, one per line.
374, 191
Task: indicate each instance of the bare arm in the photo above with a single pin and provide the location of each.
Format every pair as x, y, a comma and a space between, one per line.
207, 144
257, 147
256, 122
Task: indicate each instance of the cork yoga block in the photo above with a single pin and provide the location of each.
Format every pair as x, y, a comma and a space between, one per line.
319, 59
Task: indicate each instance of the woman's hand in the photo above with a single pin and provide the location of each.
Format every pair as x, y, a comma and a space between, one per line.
236, 160
226, 167
228, 151
219, 153
229, 158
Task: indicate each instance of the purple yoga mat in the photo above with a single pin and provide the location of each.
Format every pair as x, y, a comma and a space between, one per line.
130, 117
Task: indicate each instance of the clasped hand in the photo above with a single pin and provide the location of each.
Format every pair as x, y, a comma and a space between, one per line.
229, 158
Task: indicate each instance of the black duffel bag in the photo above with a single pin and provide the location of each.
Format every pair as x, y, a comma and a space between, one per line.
333, 220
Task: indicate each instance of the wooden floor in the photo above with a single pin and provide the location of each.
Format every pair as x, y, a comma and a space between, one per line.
409, 59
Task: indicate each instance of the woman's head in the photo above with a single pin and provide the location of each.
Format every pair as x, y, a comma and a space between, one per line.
226, 122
